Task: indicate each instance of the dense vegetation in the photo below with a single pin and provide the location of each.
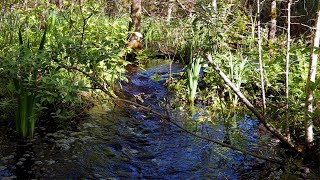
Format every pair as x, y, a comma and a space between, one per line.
49, 61
57, 59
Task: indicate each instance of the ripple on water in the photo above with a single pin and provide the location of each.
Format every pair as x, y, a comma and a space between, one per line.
129, 144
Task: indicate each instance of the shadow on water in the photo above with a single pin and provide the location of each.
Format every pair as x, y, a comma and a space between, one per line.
127, 143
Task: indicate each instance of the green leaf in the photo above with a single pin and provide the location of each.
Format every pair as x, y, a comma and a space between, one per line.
20, 37
315, 85
43, 39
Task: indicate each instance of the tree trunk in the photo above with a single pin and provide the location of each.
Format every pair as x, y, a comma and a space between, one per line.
134, 25
287, 131
170, 8
311, 79
59, 3
214, 5
191, 7
260, 59
273, 26
25, 4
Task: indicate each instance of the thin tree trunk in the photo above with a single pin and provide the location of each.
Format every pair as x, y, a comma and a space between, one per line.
134, 25
273, 26
287, 131
260, 60
59, 3
25, 4
169, 12
214, 5
35, 3
191, 7
311, 79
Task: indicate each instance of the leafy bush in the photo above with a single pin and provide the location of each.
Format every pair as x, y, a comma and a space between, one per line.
49, 61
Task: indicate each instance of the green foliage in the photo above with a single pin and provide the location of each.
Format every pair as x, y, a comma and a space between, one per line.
23, 67
230, 36
193, 72
48, 61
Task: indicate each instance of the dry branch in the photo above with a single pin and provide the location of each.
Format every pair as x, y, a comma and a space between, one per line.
260, 117
169, 119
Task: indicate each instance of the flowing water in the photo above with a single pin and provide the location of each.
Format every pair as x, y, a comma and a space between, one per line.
128, 143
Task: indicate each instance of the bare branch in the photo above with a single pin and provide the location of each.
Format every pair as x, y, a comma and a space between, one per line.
168, 118
260, 117
305, 25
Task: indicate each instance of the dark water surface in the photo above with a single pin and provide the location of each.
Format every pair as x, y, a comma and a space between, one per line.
127, 143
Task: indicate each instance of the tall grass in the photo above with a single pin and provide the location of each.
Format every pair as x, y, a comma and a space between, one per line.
27, 112
237, 65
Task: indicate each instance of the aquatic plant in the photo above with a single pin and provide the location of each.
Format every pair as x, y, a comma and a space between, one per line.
28, 76
193, 72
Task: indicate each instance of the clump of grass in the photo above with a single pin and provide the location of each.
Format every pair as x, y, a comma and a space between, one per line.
193, 73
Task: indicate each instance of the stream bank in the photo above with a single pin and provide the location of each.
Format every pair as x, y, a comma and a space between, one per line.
127, 143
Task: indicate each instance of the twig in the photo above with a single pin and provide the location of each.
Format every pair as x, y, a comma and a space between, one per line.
84, 25
183, 7
70, 23
305, 25
99, 86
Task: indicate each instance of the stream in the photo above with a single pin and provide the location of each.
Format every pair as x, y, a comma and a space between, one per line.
126, 142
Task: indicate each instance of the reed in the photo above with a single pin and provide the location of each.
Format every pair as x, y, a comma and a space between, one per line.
193, 73
25, 86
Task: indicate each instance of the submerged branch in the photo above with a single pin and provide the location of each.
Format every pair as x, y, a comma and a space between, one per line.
168, 118
260, 117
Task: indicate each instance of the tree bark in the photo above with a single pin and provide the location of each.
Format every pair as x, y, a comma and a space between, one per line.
287, 124
273, 26
309, 136
169, 12
260, 60
59, 3
214, 5
134, 25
